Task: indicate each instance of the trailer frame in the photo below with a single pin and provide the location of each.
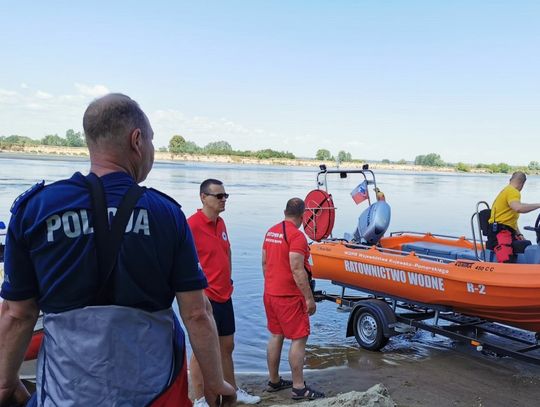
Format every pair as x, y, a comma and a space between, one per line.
375, 317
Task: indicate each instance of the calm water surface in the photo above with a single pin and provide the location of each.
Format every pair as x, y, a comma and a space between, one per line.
441, 203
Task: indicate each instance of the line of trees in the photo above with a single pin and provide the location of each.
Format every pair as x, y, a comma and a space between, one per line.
435, 160
325, 155
179, 145
71, 139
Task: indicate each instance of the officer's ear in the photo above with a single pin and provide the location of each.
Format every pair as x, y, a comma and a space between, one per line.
136, 141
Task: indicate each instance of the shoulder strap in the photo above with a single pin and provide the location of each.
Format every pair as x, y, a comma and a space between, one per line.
284, 232
108, 240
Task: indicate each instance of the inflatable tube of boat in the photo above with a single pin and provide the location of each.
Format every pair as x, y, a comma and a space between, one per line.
374, 222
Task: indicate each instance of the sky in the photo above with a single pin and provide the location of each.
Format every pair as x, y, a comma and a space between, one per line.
379, 79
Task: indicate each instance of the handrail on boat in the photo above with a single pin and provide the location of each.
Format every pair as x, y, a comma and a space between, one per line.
411, 232
343, 174
477, 216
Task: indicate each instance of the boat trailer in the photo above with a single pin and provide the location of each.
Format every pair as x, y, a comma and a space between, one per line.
375, 317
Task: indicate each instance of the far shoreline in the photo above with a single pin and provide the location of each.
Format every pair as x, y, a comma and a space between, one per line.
81, 153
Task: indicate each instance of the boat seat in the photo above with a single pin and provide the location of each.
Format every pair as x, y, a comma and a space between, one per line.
471, 255
532, 254
435, 249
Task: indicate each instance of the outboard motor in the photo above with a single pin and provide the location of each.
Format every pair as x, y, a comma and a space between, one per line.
373, 223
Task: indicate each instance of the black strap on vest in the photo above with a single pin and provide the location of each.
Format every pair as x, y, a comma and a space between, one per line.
108, 240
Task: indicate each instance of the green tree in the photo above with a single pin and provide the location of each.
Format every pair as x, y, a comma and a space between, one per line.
269, 153
218, 147
344, 156
534, 166
16, 140
429, 160
385, 161
177, 144
323, 155
191, 148
462, 167
74, 139
504, 168
53, 140
402, 162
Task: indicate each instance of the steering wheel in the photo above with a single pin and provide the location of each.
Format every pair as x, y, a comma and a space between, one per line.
535, 228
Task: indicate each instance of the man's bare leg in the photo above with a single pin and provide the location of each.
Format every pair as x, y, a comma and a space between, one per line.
226, 345
273, 355
297, 353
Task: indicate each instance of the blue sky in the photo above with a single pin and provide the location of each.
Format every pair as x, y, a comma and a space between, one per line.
380, 79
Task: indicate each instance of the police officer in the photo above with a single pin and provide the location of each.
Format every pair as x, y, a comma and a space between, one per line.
109, 330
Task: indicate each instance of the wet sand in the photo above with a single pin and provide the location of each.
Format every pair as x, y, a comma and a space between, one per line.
420, 374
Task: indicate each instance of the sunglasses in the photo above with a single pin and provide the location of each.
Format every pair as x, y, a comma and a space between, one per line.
219, 196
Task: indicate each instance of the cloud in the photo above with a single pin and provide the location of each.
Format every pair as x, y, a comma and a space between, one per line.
43, 95
5, 92
92, 91
202, 130
35, 114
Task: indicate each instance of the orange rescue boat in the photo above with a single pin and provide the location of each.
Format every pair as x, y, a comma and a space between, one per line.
434, 271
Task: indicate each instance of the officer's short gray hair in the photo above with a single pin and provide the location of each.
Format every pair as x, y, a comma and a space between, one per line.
112, 117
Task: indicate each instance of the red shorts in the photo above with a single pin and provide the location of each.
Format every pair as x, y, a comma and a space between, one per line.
287, 316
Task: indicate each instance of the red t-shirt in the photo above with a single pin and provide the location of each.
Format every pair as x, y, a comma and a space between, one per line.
213, 248
279, 279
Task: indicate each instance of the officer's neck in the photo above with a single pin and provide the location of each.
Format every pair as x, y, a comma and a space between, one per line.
103, 164
210, 214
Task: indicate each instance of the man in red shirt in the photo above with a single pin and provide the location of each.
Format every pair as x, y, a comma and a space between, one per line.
288, 299
214, 251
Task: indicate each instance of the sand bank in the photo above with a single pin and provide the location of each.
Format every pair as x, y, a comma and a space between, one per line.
230, 159
422, 377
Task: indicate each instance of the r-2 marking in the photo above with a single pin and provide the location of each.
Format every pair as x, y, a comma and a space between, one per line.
476, 288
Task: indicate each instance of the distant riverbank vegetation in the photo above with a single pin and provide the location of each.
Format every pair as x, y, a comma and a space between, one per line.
180, 148
179, 145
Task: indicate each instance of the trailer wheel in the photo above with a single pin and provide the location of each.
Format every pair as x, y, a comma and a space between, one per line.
368, 330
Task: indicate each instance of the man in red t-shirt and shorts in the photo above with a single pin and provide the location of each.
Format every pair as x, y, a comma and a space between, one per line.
288, 299
214, 251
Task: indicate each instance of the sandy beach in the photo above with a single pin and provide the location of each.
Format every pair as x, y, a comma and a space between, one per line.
420, 375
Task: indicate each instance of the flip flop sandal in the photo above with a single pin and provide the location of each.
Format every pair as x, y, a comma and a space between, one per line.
280, 385
307, 393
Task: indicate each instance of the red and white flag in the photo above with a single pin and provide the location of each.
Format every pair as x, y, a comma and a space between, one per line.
360, 193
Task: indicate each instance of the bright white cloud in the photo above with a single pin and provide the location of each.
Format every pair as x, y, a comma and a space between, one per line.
24, 85
43, 95
92, 91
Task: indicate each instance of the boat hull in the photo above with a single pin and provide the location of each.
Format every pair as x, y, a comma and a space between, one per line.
506, 293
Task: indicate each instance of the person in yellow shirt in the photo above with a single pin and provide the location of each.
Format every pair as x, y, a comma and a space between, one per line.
504, 235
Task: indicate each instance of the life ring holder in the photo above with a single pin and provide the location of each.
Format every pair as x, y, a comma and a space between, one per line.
319, 216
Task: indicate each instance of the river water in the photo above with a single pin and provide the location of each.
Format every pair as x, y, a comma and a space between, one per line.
436, 202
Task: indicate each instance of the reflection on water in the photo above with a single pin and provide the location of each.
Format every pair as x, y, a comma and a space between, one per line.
400, 349
441, 203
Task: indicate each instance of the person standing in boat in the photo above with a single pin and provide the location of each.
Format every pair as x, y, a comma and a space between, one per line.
111, 337
288, 299
504, 236
214, 251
